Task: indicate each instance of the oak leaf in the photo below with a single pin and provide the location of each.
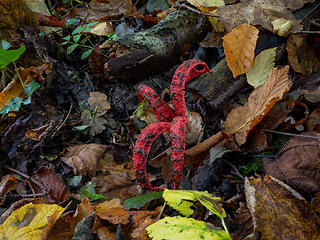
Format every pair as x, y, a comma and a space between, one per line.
84, 158
279, 212
239, 47
243, 118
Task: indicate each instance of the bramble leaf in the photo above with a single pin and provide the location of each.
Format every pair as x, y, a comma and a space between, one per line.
140, 201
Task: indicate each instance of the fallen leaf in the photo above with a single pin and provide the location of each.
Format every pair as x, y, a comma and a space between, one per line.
99, 102
281, 27
116, 185
47, 177
243, 118
97, 68
239, 47
296, 164
32, 221
279, 212
9, 183
313, 122
259, 72
308, 61
260, 12
84, 158
41, 132
113, 203
243, 219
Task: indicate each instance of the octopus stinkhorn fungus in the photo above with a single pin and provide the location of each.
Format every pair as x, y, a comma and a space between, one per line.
175, 121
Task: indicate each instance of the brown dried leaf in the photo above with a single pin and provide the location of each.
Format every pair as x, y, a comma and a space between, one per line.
243, 219
84, 158
9, 183
15, 13
296, 164
96, 63
46, 176
39, 133
313, 122
279, 212
116, 185
260, 12
239, 47
243, 118
308, 62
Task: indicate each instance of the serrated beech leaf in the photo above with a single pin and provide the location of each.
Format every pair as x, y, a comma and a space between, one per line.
243, 118
239, 47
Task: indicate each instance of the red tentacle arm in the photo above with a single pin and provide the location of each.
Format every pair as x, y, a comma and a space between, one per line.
160, 108
178, 144
183, 74
142, 149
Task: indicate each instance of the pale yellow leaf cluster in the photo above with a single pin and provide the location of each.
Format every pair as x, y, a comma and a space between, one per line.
243, 118
32, 221
259, 72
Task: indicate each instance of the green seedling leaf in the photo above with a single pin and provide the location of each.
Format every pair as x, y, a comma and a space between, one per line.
111, 35
89, 192
91, 24
80, 128
71, 48
139, 201
172, 228
5, 45
8, 56
259, 71
140, 109
86, 54
77, 30
13, 106
182, 201
74, 181
71, 21
31, 88
76, 38
67, 38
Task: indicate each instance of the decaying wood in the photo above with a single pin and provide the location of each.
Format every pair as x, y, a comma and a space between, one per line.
159, 47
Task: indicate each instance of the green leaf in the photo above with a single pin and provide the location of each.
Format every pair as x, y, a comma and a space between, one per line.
140, 201
8, 56
91, 24
13, 106
5, 45
181, 201
74, 181
27, 101
172, 228
71, 21
76, 38
80, 128
77, 30
71, 48
31, 88
67, 38
140, 109
89, 192
86, 54
87, 30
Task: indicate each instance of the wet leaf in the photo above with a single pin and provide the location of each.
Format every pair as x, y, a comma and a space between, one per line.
259, 72
172, 228
84, 158
279, 212
239, 47
46, 176
32, 221
243, 118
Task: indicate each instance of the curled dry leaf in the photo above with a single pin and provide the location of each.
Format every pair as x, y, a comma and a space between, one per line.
53, 181
9, 183
279, 212
296, 164
84, 158
239, 47
243, 118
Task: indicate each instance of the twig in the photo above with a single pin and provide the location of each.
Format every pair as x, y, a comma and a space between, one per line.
27, 177
312, 10
311, 32
62, 123
290, 134
199, 12
164, 205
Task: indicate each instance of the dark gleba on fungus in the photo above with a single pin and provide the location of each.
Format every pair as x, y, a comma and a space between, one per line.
175, 121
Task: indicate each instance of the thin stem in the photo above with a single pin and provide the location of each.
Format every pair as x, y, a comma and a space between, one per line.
224, 226
62, 123
290, 134
15, 66
194, 10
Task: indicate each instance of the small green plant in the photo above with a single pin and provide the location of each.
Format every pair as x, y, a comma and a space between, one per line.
250, 167
74, 38
6, 57
86, 113
88, 190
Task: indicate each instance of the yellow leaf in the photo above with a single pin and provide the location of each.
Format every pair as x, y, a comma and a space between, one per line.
239, 47
259, 72
172, 228
32, 221
243, 118
281, 27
